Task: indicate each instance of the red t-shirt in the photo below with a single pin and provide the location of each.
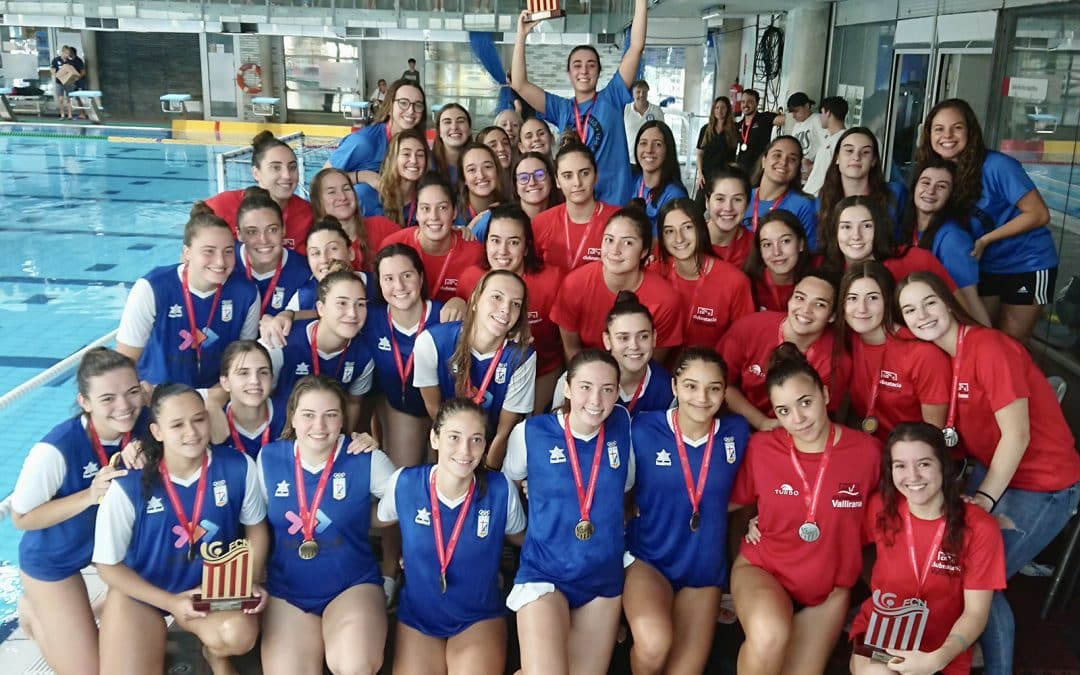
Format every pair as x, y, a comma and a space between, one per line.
910, 374
738, 250
750, 342
995, 370
562, 243
297, 216
915, 259
543, 288
770, 297
808, 571
442, 271
710, 303
584, 301
378, 228
979, 566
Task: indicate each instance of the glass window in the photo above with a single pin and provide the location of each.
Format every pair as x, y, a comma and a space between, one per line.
318, 72
860, 69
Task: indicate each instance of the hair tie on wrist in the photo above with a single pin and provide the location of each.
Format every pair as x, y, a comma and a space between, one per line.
993, 502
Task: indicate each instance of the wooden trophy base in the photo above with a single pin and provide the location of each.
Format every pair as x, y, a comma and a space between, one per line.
546, 14
232, 604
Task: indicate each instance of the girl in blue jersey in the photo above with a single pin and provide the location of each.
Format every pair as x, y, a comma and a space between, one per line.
686, 460
856, 170
326, 599
55, 502
178, 319
453, 126
1015, 248
329, 345
480, 182
454, 517
779, 186
153, 529
360, 153
486, 357
579, 463
393, 195
249, 420
656, 163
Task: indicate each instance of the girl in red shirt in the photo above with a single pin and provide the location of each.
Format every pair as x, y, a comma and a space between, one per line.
810, 480
932, 548
333, 195
728, 195
778, 259
893, 379
1004, 416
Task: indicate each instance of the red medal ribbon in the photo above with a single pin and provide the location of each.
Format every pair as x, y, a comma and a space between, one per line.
308, 517
582, 128
961, 332
197, 336
273, 280
446, 552
757, 202
641, 189
239, 444
315, 368
570, 260
445, 266
387, 129
477, 395
935, 547
404, 369
744, 131
410, 215
860, 349
811, 500
637, 391
95, 441
174, 499
693, 492
584, 498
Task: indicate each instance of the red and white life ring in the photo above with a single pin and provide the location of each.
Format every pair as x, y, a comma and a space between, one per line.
249, 78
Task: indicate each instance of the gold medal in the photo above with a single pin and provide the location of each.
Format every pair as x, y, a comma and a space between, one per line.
870, 424
695, 521
308, 549
584, 530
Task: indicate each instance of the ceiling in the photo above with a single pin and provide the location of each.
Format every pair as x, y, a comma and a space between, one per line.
673, 9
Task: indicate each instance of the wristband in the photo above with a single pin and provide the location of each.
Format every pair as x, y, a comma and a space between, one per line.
993, 502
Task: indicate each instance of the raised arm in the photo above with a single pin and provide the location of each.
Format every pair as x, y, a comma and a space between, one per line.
519, 79
632, 58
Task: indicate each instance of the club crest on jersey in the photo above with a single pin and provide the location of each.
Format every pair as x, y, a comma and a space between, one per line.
226, 310
154, 505
757, 370
613, 454
90, 470
347, 372
339, 486
558, 456
278, 298
303, 369
282, 489
384, 344
423, 516
500, 374
221, 493
534, 317
963, 390
483, 522
175, 312
729, 449
663, 458
847, 497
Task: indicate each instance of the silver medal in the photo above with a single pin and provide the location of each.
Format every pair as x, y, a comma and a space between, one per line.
809, 532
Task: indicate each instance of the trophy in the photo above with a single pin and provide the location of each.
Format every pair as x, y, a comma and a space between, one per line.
226, 578
894, 626
539, 10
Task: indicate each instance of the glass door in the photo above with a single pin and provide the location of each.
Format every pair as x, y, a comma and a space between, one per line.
911, 74
965, 74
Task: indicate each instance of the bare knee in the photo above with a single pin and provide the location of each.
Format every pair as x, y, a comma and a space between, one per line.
27, 618
652, 647
767, 635
237, 635
348, 662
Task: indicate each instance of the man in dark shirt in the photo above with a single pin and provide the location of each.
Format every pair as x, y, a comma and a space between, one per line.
412, 74
68, 56
754, 131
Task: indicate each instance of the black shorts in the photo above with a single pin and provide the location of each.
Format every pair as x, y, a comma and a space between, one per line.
1025, 288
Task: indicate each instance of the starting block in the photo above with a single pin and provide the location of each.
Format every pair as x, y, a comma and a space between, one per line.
174, 104
87, 100
264, 106
10, 104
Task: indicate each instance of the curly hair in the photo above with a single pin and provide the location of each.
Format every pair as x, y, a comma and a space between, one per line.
969, 162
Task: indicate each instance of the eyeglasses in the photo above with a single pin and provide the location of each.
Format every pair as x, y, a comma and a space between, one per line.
404, 104
539, 176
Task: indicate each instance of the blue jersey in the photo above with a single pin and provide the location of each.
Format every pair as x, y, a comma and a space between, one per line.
605, 134
656, 394
653, 203
1004, 183
481, 227
251, 440
294, 274
472, 579
61, 550
401, 396
303, 299
346, 367
661, 535
159, 544
342, 526
952, 245
803, 207
552, 553
369, 199
362, 150
169, 354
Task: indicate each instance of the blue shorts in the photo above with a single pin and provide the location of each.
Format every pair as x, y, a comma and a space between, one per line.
317, 606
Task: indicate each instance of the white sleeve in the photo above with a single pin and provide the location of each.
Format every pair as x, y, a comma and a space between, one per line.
277, 361
137, 320
41, 476
516, 464
515, 514
387, 511
521, 394
362, 385
381, 470
254, 508
425, 361
293, 305
262, 478
250, 330
115, 523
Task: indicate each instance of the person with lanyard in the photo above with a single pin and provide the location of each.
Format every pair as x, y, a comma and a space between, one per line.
579, 465
155, 526
893, 379
1005, 417
334, 198
329, 345
510, 246
453, 126
361, 153
779, 186
755, 129
933, 549
656, 159
498, 139
834, 110
261, 258
749, 344
249, 420
595, 118
275, 169
55, 503
326, 599
587, 292
569, 234
676, 568
714, 293
444, 250
778, 260
178, 319
401, 311
716, 145
454, 516
535, 137
856, 171
486, 357
1009, 218
810, 480
480, 184
727, 194
534, 180
393, 194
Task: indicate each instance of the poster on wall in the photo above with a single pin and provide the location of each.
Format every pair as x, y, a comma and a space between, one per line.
853, 94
